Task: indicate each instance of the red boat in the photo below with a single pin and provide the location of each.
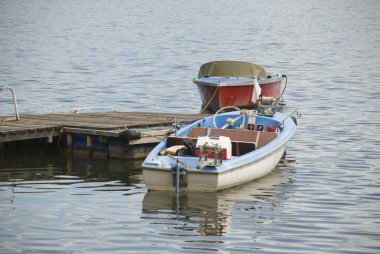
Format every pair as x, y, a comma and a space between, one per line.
235, 83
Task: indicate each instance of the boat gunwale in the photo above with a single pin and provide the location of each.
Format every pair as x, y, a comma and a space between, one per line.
246, 81
216, 171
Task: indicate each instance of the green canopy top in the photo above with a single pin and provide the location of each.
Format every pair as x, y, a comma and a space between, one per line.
231, 69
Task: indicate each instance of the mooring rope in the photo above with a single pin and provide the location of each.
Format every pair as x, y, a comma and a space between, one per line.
208, 103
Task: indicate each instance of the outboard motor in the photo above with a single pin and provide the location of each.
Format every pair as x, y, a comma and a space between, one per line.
267, 106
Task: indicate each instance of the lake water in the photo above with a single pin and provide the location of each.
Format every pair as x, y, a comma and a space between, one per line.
324, 197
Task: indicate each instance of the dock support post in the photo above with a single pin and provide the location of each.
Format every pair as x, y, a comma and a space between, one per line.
69, 140
89, 141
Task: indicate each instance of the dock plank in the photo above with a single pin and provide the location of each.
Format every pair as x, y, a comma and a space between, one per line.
38, 125
115, 119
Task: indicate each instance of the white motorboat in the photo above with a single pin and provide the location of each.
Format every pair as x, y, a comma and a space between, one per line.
219, 151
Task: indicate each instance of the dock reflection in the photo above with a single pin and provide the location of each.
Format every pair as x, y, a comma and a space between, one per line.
48, 162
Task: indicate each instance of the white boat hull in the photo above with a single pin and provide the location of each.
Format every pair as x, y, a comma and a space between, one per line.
202, 181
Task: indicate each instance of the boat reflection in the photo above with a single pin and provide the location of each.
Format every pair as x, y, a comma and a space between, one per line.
210, 214
202, 212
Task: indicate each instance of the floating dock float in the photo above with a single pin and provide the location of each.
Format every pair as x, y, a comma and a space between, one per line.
127, 135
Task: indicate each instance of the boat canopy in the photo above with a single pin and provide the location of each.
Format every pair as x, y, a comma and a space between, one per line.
231, 69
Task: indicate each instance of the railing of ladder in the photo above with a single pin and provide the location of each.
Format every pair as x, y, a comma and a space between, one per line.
14, 99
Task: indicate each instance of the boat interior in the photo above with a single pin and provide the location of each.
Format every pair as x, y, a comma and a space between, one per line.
242, 141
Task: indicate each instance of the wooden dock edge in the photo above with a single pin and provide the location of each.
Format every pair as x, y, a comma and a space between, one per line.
121, 135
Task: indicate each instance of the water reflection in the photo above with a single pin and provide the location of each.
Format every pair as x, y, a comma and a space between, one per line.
210, 214
49, 162
203, 213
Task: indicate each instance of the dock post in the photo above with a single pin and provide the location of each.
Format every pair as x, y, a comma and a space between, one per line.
89, 141
69, 140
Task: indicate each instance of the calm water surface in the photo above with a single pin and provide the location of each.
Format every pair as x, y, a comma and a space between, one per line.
323, 197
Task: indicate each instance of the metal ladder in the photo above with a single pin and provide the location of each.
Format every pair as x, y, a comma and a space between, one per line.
14, 99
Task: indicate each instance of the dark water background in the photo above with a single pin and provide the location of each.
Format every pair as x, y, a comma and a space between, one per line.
324, 197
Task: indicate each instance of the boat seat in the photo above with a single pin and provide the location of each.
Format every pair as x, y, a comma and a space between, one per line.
240, 148
265, 138
198, 132
246, 136
176, 140
235, 135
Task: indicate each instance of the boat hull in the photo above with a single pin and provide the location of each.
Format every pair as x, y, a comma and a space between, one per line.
217, 95
213, 181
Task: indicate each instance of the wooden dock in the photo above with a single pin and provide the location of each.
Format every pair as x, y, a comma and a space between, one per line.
118, 134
